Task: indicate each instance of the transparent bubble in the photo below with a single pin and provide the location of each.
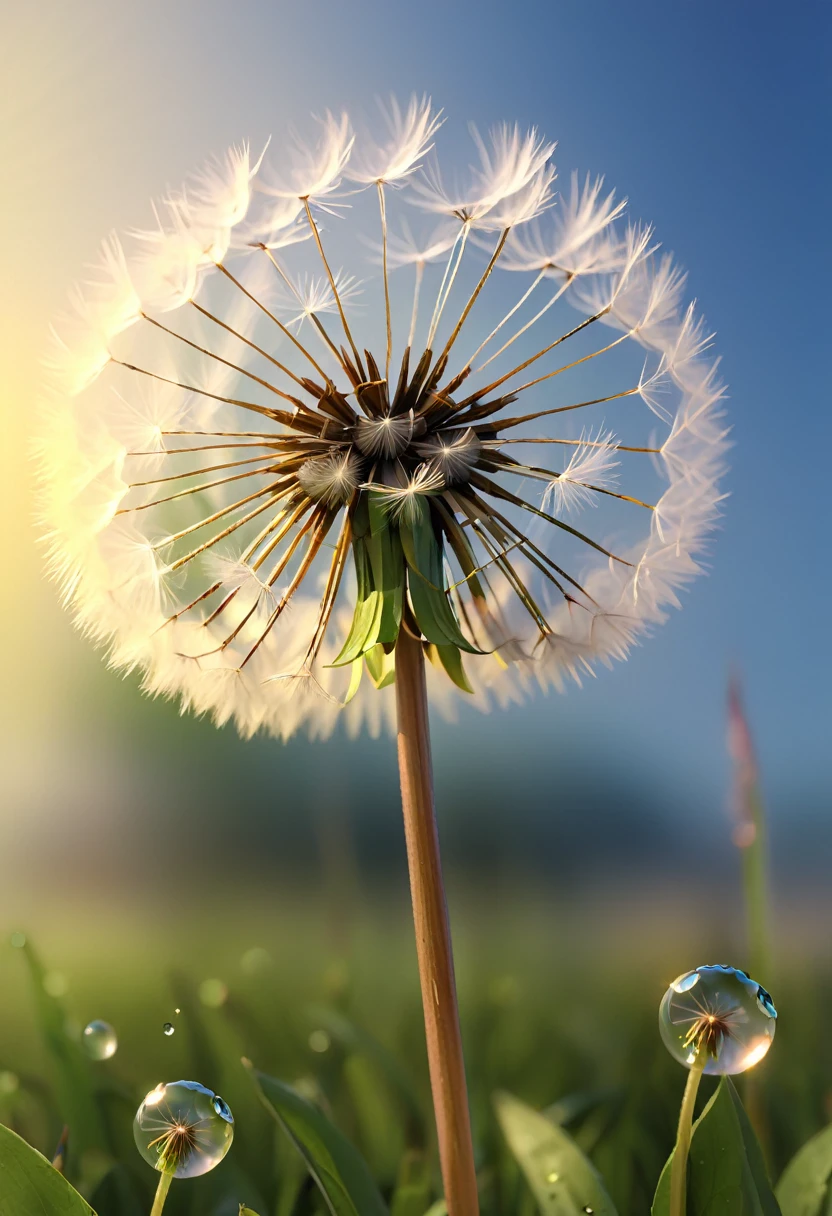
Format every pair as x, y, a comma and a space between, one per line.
99, 1039
169, 1029
721, 1011
183, 1128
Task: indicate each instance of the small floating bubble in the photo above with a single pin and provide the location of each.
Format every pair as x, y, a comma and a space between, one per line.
213, 993
183, 1128
721, 1012
100, 1040
169, 1029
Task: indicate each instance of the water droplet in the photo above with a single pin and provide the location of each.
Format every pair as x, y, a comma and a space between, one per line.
9, 1083
685, 982
728, 1016
553, 1177
213, 993
169, 1029
18, 940
99, 1039
183, 1128
589, 1210
319, 1041
177, 1011
765, 1002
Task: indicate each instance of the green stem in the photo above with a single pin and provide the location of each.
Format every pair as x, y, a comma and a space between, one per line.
679, 1165
755, 883
165, 1179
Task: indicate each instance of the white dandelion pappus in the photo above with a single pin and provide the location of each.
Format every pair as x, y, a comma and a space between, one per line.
249, 487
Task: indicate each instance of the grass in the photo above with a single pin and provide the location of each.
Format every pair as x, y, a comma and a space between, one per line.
334, 1010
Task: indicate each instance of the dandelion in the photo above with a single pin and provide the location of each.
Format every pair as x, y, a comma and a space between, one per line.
277, 507
714, 1019
183, 1130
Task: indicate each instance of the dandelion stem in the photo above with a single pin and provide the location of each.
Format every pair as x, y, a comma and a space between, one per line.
433, 939
165, 1179
679, 1165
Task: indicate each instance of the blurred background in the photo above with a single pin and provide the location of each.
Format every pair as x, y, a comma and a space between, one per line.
592, 827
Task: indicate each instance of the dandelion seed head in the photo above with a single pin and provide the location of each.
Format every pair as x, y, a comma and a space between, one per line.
247, 482
183, 1129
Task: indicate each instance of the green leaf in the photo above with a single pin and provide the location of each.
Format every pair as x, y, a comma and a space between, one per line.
381, 666
355, 1038
804, 1184
449, 660
413, 1186
337, 1168
246, 1211
726, 1171
563, 1180
30, 1185
77, 1100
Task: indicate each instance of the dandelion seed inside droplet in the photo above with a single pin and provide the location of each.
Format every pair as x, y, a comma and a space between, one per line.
169, 1029
100, 1040
721, 1012
183, 1128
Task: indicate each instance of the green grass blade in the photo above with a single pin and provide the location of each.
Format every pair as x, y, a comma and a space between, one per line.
726, 1171
77, 1101
803, 1189
564, 1182
339, 1171
30, 1185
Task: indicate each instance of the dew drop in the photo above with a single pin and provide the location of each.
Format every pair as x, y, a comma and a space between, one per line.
183, 1128
728, 1016
100, 1040
169, 1029
589, 1210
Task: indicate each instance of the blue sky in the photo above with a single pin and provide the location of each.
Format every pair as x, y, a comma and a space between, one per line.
710, 117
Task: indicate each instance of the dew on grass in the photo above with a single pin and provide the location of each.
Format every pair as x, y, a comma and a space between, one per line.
99, 1039
183, 1129
169, 1029
719, 1010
